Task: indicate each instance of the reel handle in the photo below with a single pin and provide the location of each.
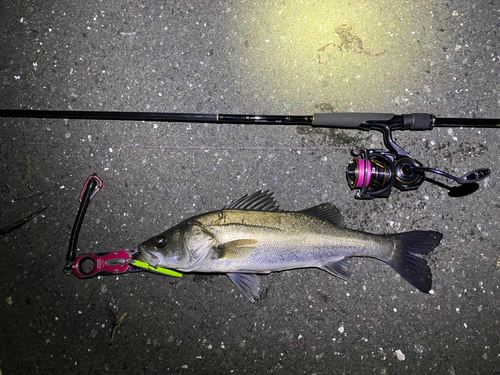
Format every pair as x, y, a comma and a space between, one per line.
474, 176
471, 177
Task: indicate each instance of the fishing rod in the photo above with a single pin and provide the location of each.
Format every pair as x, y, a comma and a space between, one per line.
373, 172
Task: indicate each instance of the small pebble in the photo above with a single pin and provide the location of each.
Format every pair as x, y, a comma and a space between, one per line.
400, 355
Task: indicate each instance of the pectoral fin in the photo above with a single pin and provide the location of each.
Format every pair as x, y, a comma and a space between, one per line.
237, 249
248, 283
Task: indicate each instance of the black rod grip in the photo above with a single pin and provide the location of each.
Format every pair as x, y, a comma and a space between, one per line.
418, 121
348, 120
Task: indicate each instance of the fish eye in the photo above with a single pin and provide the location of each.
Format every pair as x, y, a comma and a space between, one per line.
160, 241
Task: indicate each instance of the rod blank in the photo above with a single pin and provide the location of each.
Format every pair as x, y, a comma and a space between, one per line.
415, 121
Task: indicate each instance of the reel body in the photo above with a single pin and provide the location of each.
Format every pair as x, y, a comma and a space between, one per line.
375, 172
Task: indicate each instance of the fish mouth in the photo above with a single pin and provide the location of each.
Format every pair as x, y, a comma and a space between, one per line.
147, 256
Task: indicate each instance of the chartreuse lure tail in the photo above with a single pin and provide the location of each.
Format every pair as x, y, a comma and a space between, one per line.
162, 271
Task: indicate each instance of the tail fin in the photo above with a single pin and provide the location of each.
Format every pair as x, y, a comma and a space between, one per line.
413, 268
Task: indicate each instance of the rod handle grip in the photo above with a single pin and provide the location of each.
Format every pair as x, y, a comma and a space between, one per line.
348, 120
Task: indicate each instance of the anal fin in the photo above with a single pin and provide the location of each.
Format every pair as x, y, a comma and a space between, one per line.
248, 283
338, 269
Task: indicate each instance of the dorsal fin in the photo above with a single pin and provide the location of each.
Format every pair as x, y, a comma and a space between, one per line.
327, 212
258, 201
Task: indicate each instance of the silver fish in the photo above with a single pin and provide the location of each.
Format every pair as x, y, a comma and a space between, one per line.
253, 235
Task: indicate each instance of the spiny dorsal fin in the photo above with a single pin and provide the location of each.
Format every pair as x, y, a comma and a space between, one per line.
258, 201
327, 212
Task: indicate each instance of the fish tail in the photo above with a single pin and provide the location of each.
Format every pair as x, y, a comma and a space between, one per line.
405, 259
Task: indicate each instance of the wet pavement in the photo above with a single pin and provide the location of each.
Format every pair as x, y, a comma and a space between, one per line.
283, 57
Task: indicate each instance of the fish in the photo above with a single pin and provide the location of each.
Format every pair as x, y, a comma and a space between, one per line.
254, 235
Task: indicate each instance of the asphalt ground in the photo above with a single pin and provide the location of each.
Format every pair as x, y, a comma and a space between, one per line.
283, 57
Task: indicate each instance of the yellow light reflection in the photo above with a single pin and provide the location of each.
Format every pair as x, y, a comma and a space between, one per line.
341, 52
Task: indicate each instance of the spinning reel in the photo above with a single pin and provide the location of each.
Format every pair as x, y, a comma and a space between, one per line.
375, 172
